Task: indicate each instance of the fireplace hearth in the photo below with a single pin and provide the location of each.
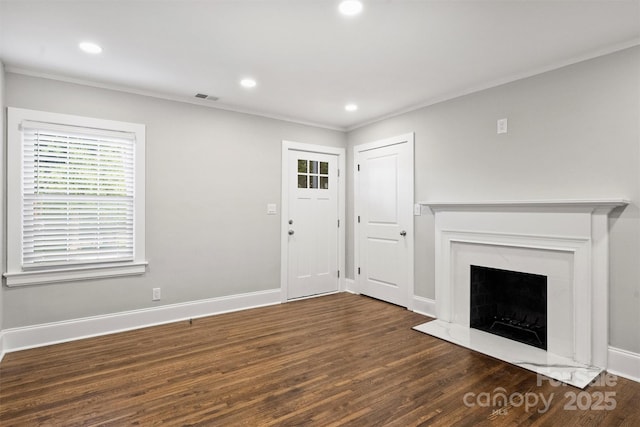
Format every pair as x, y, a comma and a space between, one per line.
510, 304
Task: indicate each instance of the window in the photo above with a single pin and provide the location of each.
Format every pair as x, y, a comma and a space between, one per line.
75, 198
310, 177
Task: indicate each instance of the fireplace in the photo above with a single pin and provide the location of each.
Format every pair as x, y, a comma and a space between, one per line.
563, 246
510, 304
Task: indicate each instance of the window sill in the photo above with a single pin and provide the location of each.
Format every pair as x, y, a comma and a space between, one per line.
26, 278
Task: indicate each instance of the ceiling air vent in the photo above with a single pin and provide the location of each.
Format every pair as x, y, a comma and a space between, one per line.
205, 96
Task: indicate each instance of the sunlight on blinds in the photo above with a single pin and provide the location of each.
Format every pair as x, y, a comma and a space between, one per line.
78, 196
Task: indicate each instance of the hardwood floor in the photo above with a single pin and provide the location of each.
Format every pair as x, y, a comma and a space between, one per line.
335, 360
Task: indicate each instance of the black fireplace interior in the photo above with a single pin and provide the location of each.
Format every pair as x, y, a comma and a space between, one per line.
510, 304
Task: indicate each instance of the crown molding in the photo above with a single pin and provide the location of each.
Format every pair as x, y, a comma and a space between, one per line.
164, 96
504, 80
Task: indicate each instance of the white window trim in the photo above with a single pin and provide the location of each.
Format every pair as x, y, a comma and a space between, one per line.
15, 276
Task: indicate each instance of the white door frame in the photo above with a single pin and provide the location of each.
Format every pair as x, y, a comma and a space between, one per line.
288, 146
408, 138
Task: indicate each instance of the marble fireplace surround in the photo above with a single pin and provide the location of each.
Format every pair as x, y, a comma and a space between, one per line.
565, 240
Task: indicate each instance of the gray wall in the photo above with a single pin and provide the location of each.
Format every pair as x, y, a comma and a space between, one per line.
210, 175
574, 133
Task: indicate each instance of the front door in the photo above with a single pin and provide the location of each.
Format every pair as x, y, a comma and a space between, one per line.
384, 219
312, 224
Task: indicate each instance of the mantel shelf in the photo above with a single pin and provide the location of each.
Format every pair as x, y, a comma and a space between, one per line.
556, 205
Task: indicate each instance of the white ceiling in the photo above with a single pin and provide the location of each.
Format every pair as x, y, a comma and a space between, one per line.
308, 60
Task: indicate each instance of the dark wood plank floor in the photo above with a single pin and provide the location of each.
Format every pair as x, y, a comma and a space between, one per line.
335, 360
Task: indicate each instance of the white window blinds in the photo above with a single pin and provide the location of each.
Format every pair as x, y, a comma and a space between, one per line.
78, 195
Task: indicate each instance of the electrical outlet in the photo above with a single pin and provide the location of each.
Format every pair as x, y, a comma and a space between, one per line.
156, 294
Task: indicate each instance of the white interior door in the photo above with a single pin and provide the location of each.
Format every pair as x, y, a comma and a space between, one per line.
384, 219
312, 225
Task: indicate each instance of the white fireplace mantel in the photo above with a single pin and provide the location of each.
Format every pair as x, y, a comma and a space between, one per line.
529, 233
555, 205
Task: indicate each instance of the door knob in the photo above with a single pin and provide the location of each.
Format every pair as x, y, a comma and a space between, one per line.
403, 233
291, 232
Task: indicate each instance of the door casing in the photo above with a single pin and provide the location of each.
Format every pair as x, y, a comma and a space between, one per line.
288, 146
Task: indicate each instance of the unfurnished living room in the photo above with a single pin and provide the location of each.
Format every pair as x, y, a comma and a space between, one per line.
320, 212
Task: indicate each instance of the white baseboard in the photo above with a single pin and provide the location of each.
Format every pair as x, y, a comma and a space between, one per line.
426, 306
22, 338
621, 362
624, 363
351, 286
1, 345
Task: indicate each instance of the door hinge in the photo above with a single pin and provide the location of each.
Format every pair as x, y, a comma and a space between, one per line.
358, 168
338, 223
338, 173
358, 270
358, 219
338, 274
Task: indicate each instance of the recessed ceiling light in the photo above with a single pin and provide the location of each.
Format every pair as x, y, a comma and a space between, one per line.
248, 83
350, 7
89, 47
351, 107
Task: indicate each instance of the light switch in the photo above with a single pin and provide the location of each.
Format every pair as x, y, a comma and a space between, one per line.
272, 209
502, 126
417, 209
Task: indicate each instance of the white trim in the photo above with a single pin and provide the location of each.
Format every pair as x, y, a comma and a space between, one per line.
22, 338
576, 227
314, 296
624, 363
1, 345
554, 205
435, 100
394, 140
408, 138
165, 96
40, 277
350, 286
3, 205
425, 306
501, 81
15, 275
284, 258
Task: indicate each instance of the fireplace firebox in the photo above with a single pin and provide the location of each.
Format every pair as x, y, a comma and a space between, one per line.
510, 304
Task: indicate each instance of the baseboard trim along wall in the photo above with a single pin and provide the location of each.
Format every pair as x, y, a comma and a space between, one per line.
624, 363
351, 286
426, 306
23, 338
1, 345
